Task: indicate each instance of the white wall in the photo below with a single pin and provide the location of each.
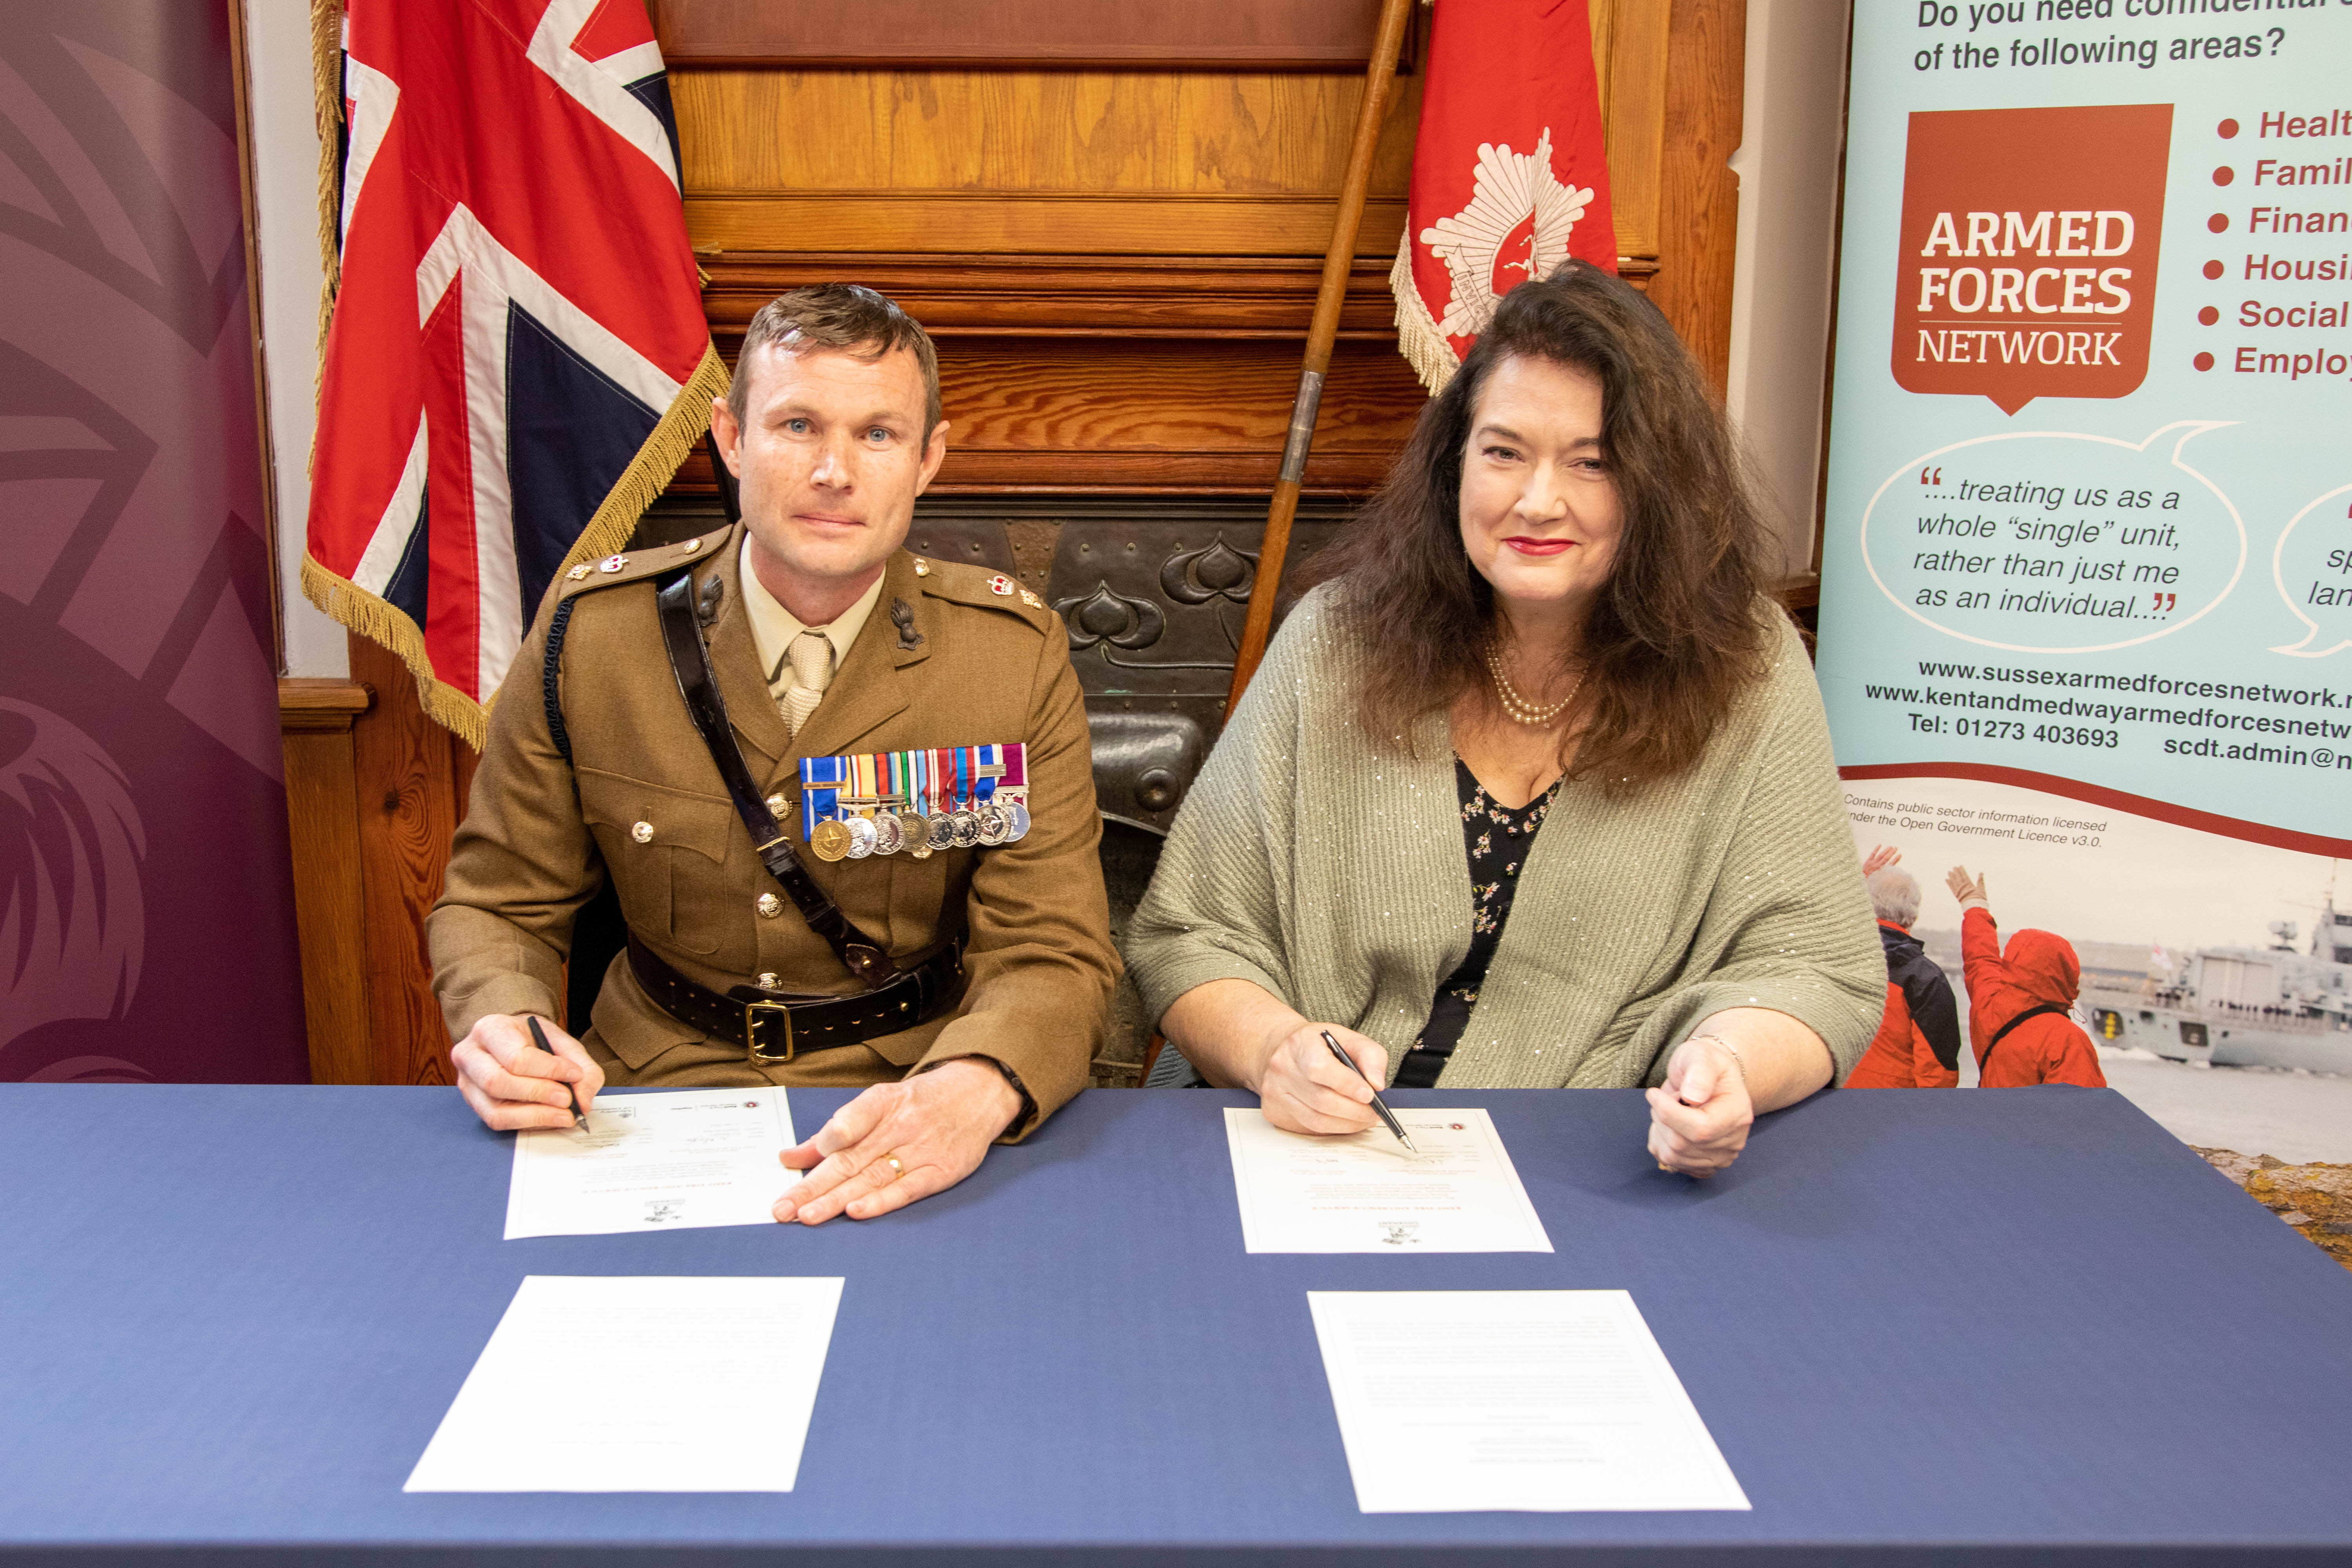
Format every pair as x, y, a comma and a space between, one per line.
1787, 165
286, 198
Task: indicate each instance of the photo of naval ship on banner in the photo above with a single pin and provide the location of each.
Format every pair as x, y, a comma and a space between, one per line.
2086, 596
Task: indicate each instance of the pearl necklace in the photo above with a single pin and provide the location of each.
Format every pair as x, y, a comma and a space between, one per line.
1519, 707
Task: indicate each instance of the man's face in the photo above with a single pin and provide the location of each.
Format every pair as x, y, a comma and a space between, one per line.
829, 458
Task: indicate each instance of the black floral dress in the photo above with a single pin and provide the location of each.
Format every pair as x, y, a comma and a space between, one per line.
1497, 838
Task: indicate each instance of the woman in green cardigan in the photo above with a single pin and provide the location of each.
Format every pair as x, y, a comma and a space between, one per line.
1535, 790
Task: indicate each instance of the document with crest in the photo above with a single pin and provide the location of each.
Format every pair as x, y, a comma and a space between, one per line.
669, 1161
1540, 1401
1367, 1193
548, 1408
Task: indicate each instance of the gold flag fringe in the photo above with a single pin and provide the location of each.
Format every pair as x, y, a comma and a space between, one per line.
379, 622
607, 532
1423, 347
327, 110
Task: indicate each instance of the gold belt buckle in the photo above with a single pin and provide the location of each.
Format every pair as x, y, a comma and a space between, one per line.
752, 1011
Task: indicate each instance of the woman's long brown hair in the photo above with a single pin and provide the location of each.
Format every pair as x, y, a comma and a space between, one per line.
1675, 632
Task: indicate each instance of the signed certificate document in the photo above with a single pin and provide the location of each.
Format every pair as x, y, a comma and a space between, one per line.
654, 1162
1544, 1401
702, 1416
1365, 1193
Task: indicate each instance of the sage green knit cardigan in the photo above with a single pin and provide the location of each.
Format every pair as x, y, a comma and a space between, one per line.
1333, 874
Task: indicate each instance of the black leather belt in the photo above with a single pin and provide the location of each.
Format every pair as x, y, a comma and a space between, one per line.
774, 1026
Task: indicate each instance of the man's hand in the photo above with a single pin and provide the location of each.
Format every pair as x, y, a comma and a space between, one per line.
1699, 1120
1964, 888
936, 1124
511, 1083
1303, 1088
1882, 856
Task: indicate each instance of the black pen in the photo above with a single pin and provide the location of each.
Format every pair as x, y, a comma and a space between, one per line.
1378, 1103
539, 1038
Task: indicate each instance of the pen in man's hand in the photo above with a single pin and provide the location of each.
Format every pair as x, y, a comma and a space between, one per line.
1378, 1103
539, 1038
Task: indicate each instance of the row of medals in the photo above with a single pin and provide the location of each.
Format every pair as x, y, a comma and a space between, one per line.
888, 832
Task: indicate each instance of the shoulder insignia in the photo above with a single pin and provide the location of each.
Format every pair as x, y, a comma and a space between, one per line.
983, 588
636, 565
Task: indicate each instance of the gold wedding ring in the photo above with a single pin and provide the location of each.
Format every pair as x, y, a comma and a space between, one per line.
896, 1170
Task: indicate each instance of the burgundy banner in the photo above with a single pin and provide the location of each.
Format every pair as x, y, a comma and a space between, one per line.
146, 899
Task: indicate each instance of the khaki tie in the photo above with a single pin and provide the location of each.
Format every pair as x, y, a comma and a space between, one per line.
811, 656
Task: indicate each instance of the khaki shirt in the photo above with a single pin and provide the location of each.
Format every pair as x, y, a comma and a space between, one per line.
945, 661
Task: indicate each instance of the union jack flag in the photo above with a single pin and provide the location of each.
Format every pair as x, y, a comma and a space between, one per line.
519, 359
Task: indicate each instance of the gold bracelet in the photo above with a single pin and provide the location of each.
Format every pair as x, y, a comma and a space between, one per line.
1736, 1060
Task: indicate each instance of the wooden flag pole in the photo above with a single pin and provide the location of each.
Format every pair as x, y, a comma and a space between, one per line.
1338, 262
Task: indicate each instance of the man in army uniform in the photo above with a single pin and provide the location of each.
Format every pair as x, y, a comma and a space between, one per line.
968, 987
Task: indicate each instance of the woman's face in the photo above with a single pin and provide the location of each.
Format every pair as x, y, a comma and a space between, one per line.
1539, 511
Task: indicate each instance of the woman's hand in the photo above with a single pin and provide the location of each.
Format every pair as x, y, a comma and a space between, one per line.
1303, 1088
1699, 1120
1241, 1037
1882, 856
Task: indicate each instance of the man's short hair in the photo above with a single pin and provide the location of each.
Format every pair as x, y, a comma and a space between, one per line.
849, 318
1895, 896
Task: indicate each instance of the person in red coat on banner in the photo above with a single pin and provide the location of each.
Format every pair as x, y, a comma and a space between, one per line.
1918, 1041
2020, 1001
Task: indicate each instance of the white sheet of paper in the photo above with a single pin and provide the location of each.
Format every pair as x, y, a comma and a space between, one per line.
548, 1408
674, 1161
1365, 1193
1540, 1401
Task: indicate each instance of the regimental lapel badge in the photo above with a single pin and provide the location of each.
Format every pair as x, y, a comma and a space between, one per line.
902, 616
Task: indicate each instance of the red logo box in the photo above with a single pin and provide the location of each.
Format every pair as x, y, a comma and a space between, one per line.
2026, 267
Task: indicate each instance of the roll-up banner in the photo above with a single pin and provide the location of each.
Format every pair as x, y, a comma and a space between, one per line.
146, 888
2086, 610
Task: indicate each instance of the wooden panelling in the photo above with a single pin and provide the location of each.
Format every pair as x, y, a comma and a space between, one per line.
1002, 136
1699, 196
407, 811
330, 902
1136, 164
1109, 224
1177, 297
1231, 35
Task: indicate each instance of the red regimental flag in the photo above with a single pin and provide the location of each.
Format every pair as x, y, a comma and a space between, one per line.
519, 359
1510, 176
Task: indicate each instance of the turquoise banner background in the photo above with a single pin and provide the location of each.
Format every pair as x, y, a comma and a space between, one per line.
2142, 600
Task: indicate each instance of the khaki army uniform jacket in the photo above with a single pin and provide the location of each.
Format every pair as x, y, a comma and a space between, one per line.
944, 660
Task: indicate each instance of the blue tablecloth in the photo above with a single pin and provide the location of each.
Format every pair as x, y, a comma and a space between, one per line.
1972, 1327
